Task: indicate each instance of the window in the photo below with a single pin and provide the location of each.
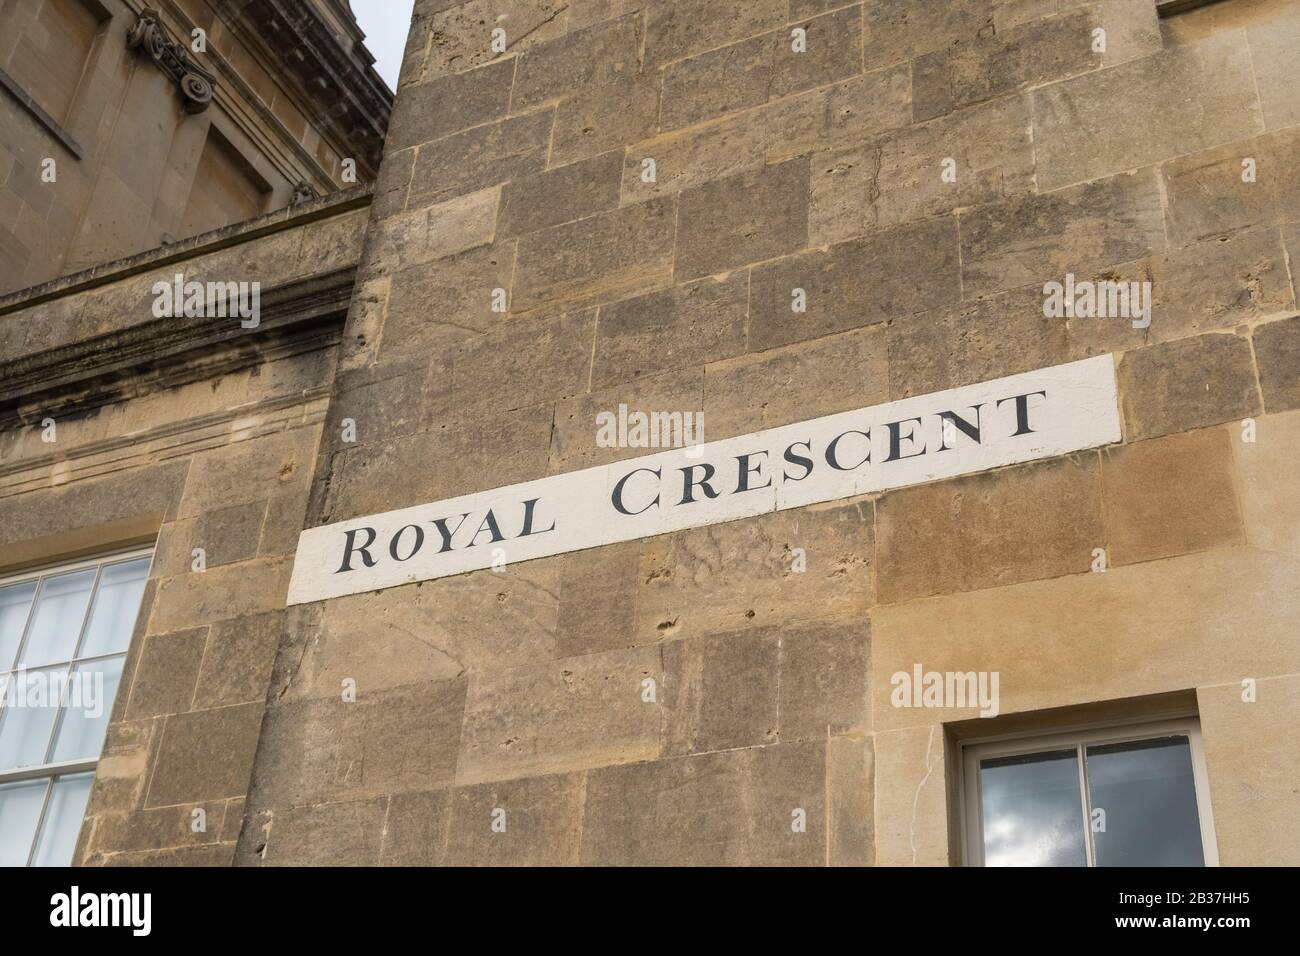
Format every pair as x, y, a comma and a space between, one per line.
63, 638
55, 42
226, 189
1131, 795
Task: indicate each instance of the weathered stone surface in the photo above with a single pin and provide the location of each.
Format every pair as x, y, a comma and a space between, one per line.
1039, 238
709, 810
1030, 521
581, 59
481, 157
1195, 620
1211, 192
836, 373
1169, 496
541, 817
1274, 43
720, 691
1219, 284
166, 673
676, 29
387, 741
842, 190
824, 670
743, 219
830, 118
1277, 355
1186, 384
851, 785
434, 630
1186, 99
897, 30
252, 470
122, 773
612, 255
973, 342
1132, 29
451, 461
561, 194
583, 13
160, 829
422, 235
1251, 757
990, 145
911, 797
761, 68
415, 831
334, 834
570, 714
601, 118
448, 104
462, 33
598, 589
142, 499
237, 661
889, 274
433, 306
725, 577
997, 63
679, 327
556, 363
1269, 482
196, 598
206, 755
577, 442
226, 535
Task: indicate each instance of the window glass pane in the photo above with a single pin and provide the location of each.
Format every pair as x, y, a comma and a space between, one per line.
20, 812
85, 718
63, 821
1032, 809
117, 602
27, 716
15, 601
1149, 795
60, 610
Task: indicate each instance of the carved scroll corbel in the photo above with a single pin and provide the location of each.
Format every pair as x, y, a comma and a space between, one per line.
150, 37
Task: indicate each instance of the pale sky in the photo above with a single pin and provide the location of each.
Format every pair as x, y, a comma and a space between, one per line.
386, 23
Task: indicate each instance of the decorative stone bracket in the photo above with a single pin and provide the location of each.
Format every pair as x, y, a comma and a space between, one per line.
151, 37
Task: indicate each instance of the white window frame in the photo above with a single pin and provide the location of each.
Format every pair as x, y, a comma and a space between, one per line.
1010, 745
50, 771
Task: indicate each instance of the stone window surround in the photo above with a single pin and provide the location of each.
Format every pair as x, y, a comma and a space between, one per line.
1120, 729
37, 112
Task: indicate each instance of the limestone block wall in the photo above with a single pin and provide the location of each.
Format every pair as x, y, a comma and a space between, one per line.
210, 446
526, 171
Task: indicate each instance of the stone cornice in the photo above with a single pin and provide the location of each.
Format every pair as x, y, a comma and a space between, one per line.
350, 99
171, 351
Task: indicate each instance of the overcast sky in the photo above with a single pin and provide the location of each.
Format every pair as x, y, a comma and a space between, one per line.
385, 23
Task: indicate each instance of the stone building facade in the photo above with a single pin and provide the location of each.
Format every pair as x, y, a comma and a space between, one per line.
767, 212
144, 150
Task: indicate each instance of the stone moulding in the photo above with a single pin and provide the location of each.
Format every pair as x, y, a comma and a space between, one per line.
149, 36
